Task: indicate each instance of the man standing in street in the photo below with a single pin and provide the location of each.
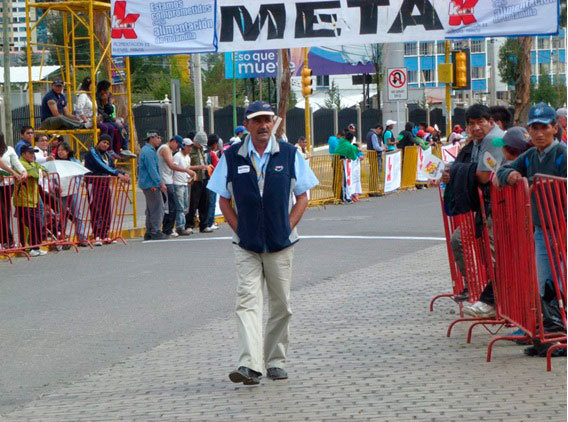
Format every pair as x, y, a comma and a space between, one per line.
199, 197
262, 176
152, 186
167, 167
181, 185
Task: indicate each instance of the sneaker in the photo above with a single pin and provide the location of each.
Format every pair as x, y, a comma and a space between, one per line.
214, 227
147, 236
173, 235
83, 244
98, 242
184, 232
37, 252
108, 241
480, 310
127, 153
158, 236
206, 230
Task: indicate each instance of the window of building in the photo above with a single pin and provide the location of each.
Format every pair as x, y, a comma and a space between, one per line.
557, 42
441, 47
427, 76
543, 68
322, 80
543, 43
560, 65
478, 46
410, 49
426, 48
412, 76
478, 72
460, 44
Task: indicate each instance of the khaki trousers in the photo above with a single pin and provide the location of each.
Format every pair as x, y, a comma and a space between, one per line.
252, 270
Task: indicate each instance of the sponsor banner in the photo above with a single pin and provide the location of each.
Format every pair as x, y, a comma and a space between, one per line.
431, 167
393, 173
449, 153
351, 178
423, 155
250, 24
340, 60
142, 28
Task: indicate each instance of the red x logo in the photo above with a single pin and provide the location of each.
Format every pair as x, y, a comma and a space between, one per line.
123, 24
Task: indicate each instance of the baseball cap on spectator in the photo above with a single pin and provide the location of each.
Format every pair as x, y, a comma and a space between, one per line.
57, 81
458, 129
258, 108
239, 129
351, 126
27, 148
516, 137
200, 138
541, 113
187, 141
430, 129
150, 134
178, 139
390, 122
561, 112
421, 133
105, 137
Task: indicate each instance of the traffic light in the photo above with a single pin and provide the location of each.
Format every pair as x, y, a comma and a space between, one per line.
306, 82
462, 79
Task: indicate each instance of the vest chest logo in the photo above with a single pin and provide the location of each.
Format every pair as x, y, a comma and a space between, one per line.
278, 168
243, 169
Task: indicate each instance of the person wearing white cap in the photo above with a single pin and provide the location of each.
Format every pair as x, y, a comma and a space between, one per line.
181, 188
388, 135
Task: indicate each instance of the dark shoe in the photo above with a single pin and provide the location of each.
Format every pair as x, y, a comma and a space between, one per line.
276, 374
461, 297
147, 236
83, 244
245, 375
158, 236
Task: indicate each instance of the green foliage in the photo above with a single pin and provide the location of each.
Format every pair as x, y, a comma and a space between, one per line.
509, 59
547, 92
333, 96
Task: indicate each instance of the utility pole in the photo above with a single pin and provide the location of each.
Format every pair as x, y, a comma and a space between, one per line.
493, 75
448, 96
7, 88
196, 64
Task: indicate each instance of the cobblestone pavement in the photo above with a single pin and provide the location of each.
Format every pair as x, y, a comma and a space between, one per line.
363, 347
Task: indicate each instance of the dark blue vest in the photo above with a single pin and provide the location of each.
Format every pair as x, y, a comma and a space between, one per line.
263, 221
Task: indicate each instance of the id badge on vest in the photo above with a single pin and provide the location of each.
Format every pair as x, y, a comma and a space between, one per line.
259, 176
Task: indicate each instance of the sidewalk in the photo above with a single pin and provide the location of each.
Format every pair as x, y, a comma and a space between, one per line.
363, 347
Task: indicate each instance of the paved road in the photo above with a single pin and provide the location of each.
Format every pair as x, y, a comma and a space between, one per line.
146, 330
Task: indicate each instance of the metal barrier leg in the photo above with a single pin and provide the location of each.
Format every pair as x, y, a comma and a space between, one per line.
485, 322
438, 297
549, 354
511, 338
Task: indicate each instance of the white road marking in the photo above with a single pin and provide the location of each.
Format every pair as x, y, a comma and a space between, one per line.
199, 239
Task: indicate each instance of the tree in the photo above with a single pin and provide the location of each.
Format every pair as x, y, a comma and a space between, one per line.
284, 100
523, 84
509, 59
547, 92
333, 96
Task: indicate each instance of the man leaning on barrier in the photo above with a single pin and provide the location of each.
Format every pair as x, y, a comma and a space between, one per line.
467, 173
262, 176
99, 163
375, 143
548, 157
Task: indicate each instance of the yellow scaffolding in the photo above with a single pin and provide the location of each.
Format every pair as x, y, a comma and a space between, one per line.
78, 14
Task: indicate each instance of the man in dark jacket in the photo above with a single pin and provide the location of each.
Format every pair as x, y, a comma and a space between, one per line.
99, 163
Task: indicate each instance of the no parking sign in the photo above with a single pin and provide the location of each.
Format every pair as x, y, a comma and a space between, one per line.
397, 79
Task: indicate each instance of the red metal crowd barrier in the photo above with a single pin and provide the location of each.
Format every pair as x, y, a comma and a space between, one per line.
516, 286
49, 212
477, 259
550, 197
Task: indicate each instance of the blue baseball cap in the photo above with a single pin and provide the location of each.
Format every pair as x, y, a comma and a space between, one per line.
258, 108
541, 113
178, 139
239, 129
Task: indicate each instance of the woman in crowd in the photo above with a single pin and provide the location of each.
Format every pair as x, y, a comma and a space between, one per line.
42, 149
10, 165
70, 201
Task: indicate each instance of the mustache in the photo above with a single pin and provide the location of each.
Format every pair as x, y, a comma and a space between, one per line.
263, 131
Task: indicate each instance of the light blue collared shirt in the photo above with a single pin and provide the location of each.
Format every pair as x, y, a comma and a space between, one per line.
305, 177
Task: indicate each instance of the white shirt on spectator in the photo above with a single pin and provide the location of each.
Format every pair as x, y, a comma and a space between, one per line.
181, 178
41, 156
11, 159
84, 106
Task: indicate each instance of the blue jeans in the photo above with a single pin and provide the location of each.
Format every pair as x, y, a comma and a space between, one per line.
211, 212
543, 270
182, 204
